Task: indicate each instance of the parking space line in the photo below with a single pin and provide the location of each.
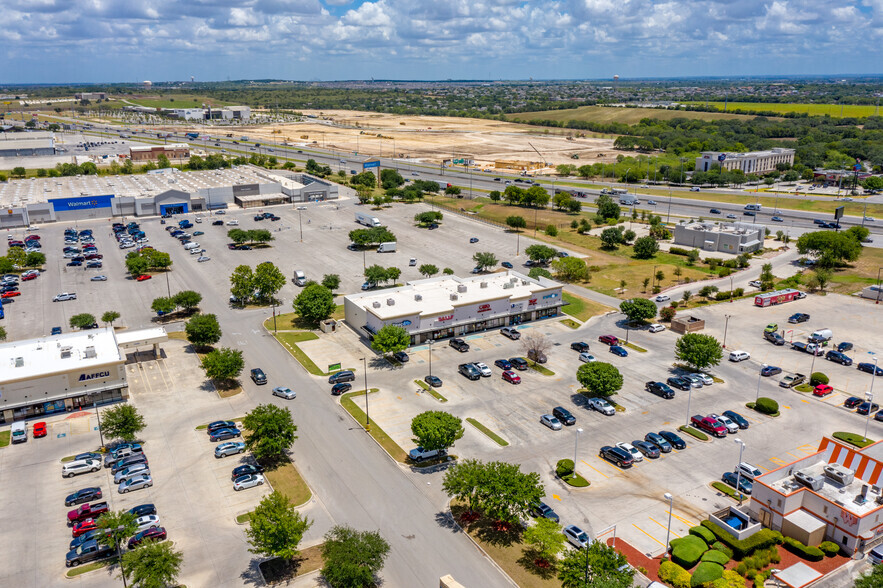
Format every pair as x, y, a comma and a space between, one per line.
778, 461
648, 534
682, 519
663, 526
594, 468
792, 455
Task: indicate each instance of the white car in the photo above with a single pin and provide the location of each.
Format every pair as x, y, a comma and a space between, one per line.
64, 296
870, 218
754, 283
197, 251
147, 522
248, 481
662, 298
283, 392
576, 536
628, 447
233, 223
601, 406
202, 258
126, 245
483, 369
706, 379
725, 421
587, 357
99, 279
656, 328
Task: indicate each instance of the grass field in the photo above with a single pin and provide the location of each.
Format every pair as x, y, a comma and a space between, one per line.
496, 438
4, 438
286, 480
178, 101
606, 114
582, 308
859, 274
835, 110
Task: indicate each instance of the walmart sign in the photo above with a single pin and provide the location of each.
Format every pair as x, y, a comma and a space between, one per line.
81, 203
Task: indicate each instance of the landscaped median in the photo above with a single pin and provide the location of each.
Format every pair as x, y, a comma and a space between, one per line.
347, 401
431, 390
724, 489
4, 438
91, 567
853, 439
540, 368
694, 432
566, 472
496, 438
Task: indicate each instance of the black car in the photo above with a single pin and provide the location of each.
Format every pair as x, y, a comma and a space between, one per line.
433, 381
246, 469
341, 376
83, 495
879, 416
844, 346
459, 344
736, 418
672, 438
519, 363
340, 388
258, 376
868, 407
563, 415
839, 357
401, 357
503, 364
798, 317
541, 509
714, 211
660, 389
770, 370
616, 455
142, 510
679, 382
217, 223
87, 536
215, 425
580, 346
870, 368
852, 402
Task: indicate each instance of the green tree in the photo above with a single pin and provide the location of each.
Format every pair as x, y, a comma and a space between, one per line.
393, 273
390, 339
238, 236
137, 265
331, 281
829, 247
545, 539
857, 232
767, 279
571, 269
390, 178
516, 222
698, 350
110, 316
276, 528
872, 578
18, 172
540, 253
599, 378
536, 272
162, 305
660, 275
82, 321
315, 303
35, 259
645, 282
595, 566
495, 195
607, 208
122, 421
436, 429
501, 490
152, 565
484, 260
268, 280
269, 432
118, 525
686, 297
203, 330
260, 236
352, 559
646, 247
428, 270
223, 364
822, 277
638, 309
611, 237
448, 271
452, 190
242, 284
2, 334
187, 299
163, 162
552, 230
376, 273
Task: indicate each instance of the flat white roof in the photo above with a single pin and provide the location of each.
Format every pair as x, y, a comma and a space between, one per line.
141, 337
166, 147
57, 353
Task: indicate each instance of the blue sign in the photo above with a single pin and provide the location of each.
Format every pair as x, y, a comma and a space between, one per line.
405, 323
369, 164
81, 203
722, 157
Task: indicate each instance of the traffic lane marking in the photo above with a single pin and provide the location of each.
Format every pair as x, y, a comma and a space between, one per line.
594, 468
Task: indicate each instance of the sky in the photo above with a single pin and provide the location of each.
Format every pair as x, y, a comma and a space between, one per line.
64, 41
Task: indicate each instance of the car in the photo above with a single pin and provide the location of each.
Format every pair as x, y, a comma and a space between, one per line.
98, 278
564, 415
754, 283
27, 277
778, 219
511, 377
745, 485
648, 449
714, 211
198, 233
868, 407
838, 357
695, 380
844, 346
93, 265
116, 465
483, 369
506, 265
459, 344
822, 390
87, 455
130, 472
656, 328
284, 392
143, 277
503, 364
245, 470
870, 368
879, 416
401, 356
84, 526
473, 240
369, 285
770, 370
739, 355
704, 378
679, 382
83, 495
580, 346
74, 468
150, 534
203, 258
601, 406
511, 333
518, 363
731, 216
852, 402
340, 388
137, 483
224, 434
39, 429
543, 510
87, 536
774, 338
217, 223
659, 441
616, 455
419, 454
248, 481
798, 317
217, 425
550, 422
620, 351
608, 340
576, 536
145, 522
143, 510
587, 357
433, 381
736, 418
74, 263
627, 447
229, 448
650, 202
674, 439
730, 425
341, 376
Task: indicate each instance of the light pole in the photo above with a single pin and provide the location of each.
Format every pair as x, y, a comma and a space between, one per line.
98, 414
300, 224
367, 418
668, 215
879, 288
738, 472
575, 448
670, 499
430, 358
120, 529
726, 325
274, 315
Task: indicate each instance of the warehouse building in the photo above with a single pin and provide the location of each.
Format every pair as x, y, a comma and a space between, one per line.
450, 306
727, 238
91, 96
173, 151
25, 144
63, 373
753, 162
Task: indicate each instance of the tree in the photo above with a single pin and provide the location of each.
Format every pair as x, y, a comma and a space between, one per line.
537, 272
686, 297
452, 190
82, 321
162, 305
607, 208
268, 280
260, 236
484, 260
822, 277
223, 364
315, 303
436, 429
137, 265
331, 281
187, 299
110, 316
545, 538
122, 421
857, 232
35, 259
203, 330
269, 432
238, 236
501, 490
352, 559
829, 247
119, 526
678, 272
390, 178
393, 273
163, 162
645, 282
646, 247
638, 309
660, 275
552, 230
516, 222
698, 350
571, 269
611, 237
390, 339
535, 344
276, 528
428, 217
599, 378
2, 334
540, 253
667, 313
152, 565
18, 172
376, 273
872, 578
495, 195
428, 270
242, 283
448, 271
595, 566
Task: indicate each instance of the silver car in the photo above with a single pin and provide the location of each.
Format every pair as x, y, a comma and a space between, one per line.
551, 422
229, 448
706, 379
695, 381
138, 482
283, 392
483, 369
130, 472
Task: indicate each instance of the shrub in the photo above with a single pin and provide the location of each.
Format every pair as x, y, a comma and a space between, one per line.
679, 251
817, 378
723, 295
552, 230
715, 556
707, 571
766, 405
703, 534
667, 313
675, 303
674, 575
717, 545
742, 569
564, 468
829, 548
743, 548
739, 292
750, 574
806, 552
724, 272
687, 551
774, 554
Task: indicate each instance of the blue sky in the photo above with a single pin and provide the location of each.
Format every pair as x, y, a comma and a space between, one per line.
55, 41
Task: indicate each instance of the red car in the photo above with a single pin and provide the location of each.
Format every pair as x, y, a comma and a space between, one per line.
32, 238
608, 339
511, 377
10, 294
27, 277
16, 244
142, 277
93, 256
39, 429
84, 526
151, 534
822, 390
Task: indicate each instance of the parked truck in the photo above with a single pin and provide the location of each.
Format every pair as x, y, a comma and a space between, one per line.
710, 425
86, 511
367, 220
470, 371
89, 551
300, 278
812, 348
388, 247
660, 389
791, 380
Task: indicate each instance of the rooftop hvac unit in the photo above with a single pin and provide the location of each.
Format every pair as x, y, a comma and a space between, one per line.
375, 304
482, 285
840, 474
390, 301
508, 285
809, 480
461, 288
90, 352
418, 297
19, 361
454, 297
513, 280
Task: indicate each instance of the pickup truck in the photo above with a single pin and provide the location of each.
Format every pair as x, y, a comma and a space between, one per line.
459, 344
660, 389
86, 511
88, 551
812, 348
470, 371
709, 425
791, 380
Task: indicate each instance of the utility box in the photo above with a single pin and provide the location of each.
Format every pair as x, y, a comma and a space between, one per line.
328, 326
687, 324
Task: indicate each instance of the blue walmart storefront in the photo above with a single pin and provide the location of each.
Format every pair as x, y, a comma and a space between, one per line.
82, 207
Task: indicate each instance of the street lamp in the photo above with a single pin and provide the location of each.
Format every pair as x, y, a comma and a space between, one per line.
759, 376
670, 499
430, 358
726, 325
367, 418
738, 471
98, 414
575, 447
120, 529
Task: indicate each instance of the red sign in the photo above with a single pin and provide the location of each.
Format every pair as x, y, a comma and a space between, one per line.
532, 302
445, 318
484, 308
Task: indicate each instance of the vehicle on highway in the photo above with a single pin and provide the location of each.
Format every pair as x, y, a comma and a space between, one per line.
551, 422
778, 219
284, 392
601, 406
731, 216
714, 211
616, 455
248, 481
229, 448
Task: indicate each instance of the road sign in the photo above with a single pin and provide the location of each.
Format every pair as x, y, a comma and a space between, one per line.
459, 161
722, 157
838, 213
370, 164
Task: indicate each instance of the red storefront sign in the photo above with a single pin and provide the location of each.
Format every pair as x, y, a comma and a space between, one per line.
445, 318
484, 308
532, 302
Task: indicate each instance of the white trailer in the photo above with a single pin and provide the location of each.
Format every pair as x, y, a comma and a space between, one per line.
367, 220
389, 247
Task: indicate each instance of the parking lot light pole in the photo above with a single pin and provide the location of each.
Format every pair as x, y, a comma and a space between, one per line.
430, 360
870, 397
119, 554
726, 325
738, 472
759, 376
575, 449
670, 499
98, 414
689, 399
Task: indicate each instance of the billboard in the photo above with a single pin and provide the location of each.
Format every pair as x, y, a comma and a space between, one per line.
838, 213
81, 203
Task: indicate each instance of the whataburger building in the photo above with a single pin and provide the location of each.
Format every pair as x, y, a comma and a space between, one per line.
450, 306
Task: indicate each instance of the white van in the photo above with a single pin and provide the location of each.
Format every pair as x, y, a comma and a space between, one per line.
746, 470
81, 466
389, 247
191, 245
821, 335
300, 278
19, 432
739, 355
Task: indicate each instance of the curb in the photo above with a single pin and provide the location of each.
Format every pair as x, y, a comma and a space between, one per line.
479, 547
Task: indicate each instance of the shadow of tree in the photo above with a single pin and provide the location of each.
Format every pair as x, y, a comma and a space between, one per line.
532, 561
493, 533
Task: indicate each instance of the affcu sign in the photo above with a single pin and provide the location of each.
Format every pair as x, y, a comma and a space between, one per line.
94, 376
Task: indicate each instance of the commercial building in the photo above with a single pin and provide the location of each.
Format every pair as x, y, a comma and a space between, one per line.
753, 162
450, 306
91, 96
727, 238
833, 494
222, 113
61, 373
174, 151
25, 144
